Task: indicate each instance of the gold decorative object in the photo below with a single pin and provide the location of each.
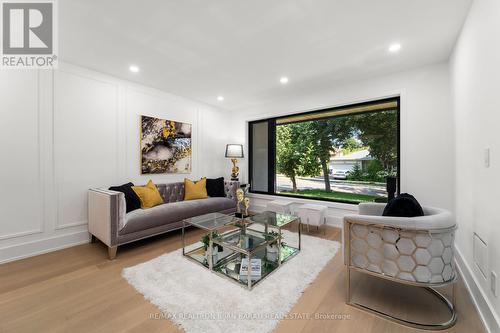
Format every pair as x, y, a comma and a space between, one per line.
235, 170
242, 200
240, 196
246, 202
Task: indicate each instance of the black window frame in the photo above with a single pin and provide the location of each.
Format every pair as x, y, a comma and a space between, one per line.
271, 175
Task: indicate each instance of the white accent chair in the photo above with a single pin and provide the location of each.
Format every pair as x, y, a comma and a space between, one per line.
415, 251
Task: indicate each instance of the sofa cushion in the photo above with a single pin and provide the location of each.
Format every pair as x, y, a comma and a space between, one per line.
149, 195
404, 205
131, 199
142, 219
215, 187
195, 190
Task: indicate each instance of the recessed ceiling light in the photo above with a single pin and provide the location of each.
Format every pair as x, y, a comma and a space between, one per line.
134, 69
220, 98
284, 80
396, 47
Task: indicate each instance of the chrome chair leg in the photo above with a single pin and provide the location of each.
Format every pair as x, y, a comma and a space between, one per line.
423, 326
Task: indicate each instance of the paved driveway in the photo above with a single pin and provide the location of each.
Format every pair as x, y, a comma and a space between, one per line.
284, 184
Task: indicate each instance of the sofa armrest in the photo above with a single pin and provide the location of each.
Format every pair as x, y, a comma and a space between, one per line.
106, 211
230, 188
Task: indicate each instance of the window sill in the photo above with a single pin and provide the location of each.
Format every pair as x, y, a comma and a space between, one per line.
330, 204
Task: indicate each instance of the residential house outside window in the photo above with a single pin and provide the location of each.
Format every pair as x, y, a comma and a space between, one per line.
340, 154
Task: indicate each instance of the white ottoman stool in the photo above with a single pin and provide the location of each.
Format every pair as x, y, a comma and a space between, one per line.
280, 206
312, 215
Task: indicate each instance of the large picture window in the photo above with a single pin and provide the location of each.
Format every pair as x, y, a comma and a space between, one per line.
345, 154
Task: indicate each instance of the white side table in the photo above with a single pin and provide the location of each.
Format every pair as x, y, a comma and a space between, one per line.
280, 206
311, 214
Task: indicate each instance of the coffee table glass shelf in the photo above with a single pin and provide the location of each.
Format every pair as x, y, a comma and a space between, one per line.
241, 241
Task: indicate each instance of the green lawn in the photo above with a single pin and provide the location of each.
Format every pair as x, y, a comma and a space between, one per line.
353, 197
364, 182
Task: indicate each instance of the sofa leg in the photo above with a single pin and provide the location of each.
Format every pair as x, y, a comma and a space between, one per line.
112, 252
93, 239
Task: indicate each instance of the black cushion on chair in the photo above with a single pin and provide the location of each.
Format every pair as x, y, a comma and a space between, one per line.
404, 205
215, 187
131, 199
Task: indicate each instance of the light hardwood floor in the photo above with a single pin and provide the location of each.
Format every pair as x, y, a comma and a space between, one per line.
80, 290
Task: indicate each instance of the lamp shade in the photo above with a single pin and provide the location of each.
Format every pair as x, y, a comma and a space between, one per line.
234, 151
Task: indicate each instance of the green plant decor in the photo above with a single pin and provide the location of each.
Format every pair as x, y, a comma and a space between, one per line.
206, 240
273, 234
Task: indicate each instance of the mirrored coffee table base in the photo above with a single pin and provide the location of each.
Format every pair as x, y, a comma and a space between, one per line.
237, 243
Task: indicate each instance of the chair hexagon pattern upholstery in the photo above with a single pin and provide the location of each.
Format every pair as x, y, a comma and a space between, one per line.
412, 254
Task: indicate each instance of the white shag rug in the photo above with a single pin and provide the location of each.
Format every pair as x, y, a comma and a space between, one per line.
200, 301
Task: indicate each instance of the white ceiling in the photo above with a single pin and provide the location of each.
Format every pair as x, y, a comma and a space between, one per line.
240, 48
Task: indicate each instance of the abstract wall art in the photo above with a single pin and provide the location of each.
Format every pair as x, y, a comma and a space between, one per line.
165, 146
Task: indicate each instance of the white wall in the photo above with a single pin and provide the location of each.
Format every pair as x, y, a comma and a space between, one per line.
427, 154
65, 131
475, 77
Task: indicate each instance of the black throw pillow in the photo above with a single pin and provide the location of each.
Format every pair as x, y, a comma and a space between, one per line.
215, 187
131, 199
404, 205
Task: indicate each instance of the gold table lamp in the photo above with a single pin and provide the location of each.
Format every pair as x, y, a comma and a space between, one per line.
234, 151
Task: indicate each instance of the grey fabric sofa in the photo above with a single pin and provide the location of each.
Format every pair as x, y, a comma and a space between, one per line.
109, 222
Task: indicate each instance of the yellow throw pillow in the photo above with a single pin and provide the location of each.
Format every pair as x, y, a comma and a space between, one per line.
194, 190
149, 195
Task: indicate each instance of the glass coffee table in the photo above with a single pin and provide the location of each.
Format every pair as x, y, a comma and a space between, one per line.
211, 223
279, 221
227, 251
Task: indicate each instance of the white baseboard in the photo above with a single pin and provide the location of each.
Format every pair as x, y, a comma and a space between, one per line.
484, 307
41, 246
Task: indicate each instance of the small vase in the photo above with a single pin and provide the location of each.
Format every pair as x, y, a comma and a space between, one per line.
272, 252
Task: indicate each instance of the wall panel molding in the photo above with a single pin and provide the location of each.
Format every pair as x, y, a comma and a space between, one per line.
85, 135
478, 296
36, 247
60, 194
23, 233
39, 185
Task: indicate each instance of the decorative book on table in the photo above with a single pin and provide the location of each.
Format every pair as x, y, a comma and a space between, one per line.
255, 269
